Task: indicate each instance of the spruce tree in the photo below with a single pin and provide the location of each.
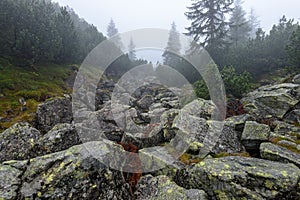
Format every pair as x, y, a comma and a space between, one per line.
131, 51
239, 26
173, 47
112, 32
209, 27
254, 23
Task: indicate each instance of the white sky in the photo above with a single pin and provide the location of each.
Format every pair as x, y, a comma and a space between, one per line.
135, 14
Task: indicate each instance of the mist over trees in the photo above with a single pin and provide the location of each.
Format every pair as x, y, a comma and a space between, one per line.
35, 31
131, 51
253, 22
232, 43
240, 27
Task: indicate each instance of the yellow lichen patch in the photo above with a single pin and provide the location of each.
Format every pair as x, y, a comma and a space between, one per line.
169, 191
226, 166
39, 194
269, 184
31, 141
284, 173
265, 175
49, 179
221, 195
201, 164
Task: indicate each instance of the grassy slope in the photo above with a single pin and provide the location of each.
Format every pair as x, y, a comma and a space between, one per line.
34, 84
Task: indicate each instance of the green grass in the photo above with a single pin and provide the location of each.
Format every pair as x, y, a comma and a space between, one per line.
35, 84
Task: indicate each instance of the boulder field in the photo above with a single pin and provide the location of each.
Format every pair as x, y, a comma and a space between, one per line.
175, 148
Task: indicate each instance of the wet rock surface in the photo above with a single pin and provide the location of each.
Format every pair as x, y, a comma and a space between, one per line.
274, 152
240, 177
187, 151
275, 100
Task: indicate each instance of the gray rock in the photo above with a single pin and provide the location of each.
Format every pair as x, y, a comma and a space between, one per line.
296, 79
162, 188
286, 131
17, 141
73, 173
238, 122
59, 138
242, 178
10, 181
214, 136
52, 112
293, 116
254, 134
287, 143
200, 108
145, 102
275, 100
274, 152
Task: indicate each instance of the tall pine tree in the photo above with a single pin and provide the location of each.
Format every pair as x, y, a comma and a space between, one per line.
131, 51
254, 23
112, 32
173, 47
239, 26
209, 27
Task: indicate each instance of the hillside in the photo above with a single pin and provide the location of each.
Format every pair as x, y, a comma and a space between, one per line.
23, 88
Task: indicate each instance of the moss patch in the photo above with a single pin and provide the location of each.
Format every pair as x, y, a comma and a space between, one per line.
34, 84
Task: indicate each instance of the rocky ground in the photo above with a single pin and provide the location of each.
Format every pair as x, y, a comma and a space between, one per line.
256, 156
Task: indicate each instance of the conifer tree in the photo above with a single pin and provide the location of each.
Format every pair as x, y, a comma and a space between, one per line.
131, 51
209, 27
173, 47
112, 32
239, 26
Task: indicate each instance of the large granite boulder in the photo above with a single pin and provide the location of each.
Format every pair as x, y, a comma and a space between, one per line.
162, 188
215, 136
275, 100
17, 141
70, 174
242, 178
52, 112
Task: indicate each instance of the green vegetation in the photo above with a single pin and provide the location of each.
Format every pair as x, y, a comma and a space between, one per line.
235, 84
34, 31
35, 85
233, 44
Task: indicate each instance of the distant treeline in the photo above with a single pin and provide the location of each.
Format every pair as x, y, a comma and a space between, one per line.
33, 31
265, 52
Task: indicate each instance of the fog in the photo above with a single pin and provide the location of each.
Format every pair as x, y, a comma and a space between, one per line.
135, 14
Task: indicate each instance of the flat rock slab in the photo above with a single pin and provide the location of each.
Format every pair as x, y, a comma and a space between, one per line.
241, 177
274, 152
